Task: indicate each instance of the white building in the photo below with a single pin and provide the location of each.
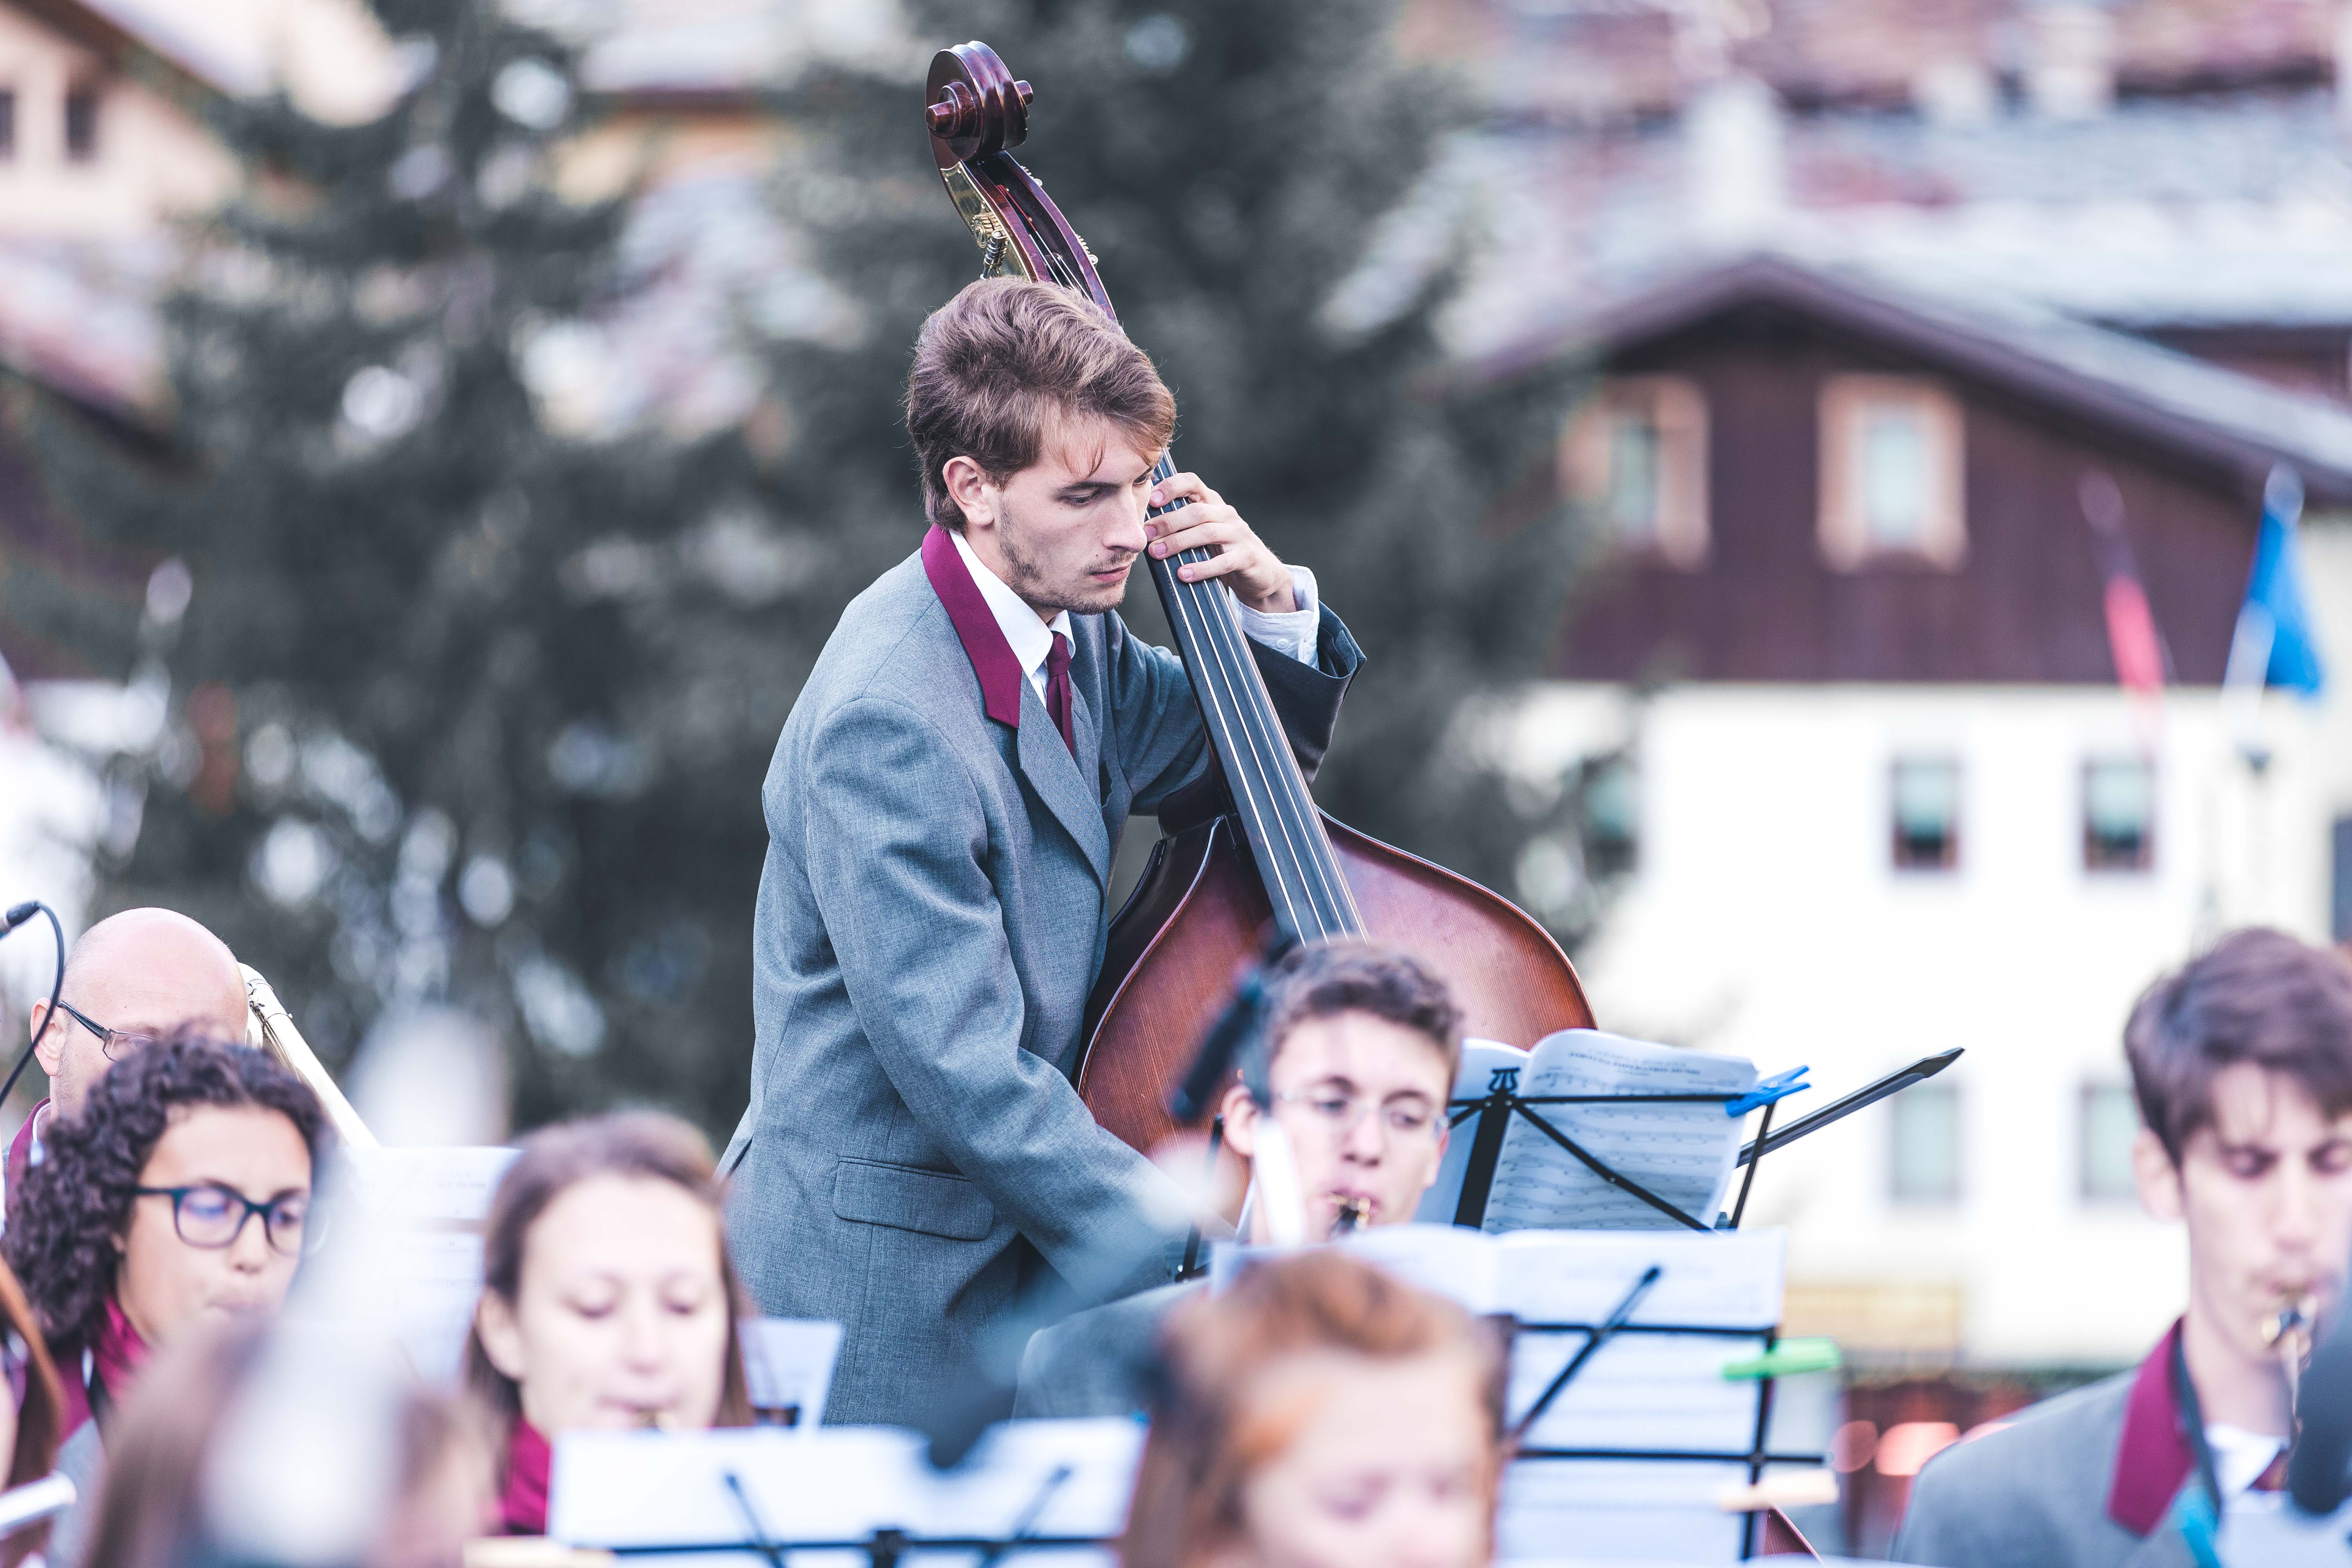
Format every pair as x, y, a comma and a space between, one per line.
1845, 702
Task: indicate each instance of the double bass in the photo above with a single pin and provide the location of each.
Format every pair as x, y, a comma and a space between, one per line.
1209, 893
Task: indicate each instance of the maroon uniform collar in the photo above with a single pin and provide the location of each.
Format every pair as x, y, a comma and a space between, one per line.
2154, 1458
1001, 676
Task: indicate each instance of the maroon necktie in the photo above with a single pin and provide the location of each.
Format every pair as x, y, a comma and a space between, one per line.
1057, 691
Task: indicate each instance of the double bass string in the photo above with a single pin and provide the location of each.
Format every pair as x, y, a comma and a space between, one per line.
1216, 635
1337, 910
1220, 663
1216, 632
1192, 618
1337, 916
1333, 904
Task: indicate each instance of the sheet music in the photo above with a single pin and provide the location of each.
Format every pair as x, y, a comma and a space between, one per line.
1450, 1260
1481, 1060
651, 1489
2280, 1537
788, 1361
1681, 1151
1633, 1509
419, 1214
1657, 1392
1724, 1278
423, 1185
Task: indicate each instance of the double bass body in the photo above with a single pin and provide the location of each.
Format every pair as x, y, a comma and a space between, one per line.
1200, 914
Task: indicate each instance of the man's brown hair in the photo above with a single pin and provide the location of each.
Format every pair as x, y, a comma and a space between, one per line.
1213, 1424
1333, 977
2258, 996
999, 365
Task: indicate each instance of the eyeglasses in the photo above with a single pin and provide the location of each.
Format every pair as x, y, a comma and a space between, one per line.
213, 1217
116, 1043
1340, 1114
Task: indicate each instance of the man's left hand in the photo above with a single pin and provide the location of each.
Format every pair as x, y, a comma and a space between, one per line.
1252, 571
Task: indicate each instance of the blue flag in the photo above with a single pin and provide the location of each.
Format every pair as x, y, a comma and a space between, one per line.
2273, 645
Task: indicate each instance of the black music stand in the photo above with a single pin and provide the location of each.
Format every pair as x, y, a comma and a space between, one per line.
1502, 1100
762, 1494
1755, 1456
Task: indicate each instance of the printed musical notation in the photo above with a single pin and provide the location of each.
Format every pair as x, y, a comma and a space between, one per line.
1682, 1151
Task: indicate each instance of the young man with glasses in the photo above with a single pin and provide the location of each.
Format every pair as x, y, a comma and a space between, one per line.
1361, 1047
132, 977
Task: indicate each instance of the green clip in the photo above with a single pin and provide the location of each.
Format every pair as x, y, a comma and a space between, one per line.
1788, 1358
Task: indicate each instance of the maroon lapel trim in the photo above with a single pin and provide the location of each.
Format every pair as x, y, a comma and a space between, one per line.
975, 626
2153, 1459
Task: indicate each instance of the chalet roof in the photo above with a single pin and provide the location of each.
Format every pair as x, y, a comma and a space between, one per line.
2106, 377
2216, 209
1609, 59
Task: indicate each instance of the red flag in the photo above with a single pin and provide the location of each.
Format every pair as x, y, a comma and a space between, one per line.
2131, 636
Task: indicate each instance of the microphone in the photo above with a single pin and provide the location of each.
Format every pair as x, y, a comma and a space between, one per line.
18, 915
1236, 1027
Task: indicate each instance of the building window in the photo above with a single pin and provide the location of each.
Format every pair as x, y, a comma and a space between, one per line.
1891, 473
7, 122
1926, 1132
1609, 801
2110, 1124
1927, 813
81, 124
2119, 814
2339, 838
1636, 457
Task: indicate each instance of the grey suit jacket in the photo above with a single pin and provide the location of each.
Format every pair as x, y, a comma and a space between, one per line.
1097, 1361
2034, 1494
930, 920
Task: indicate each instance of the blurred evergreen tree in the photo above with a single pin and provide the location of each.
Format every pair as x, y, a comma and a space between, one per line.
471, 708
1251, 177
465, 706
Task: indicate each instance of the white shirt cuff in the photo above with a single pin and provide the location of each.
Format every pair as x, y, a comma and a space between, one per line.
1287, 632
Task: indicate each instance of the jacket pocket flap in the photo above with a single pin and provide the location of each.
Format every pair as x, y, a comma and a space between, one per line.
936, 1203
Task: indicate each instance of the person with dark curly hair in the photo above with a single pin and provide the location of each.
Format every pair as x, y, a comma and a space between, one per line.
608, 1297
179, 1197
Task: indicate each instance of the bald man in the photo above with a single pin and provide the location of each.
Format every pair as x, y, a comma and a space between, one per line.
139, 974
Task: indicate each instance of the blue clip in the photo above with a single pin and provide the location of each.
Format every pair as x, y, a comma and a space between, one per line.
1767, 1090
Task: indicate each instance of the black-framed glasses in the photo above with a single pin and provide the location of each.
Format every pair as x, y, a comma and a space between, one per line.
211, 1216
116, 1043
1340, 1112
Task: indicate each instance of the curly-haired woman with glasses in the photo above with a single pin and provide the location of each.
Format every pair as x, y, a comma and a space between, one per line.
179, 1195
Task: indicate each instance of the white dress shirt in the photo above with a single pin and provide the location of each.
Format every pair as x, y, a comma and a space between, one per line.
2240, 1457
1290, 632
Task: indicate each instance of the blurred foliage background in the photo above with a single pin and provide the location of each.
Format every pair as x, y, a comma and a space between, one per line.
467, 708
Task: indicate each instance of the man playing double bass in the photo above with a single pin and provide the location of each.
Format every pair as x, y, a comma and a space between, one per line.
943, 809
